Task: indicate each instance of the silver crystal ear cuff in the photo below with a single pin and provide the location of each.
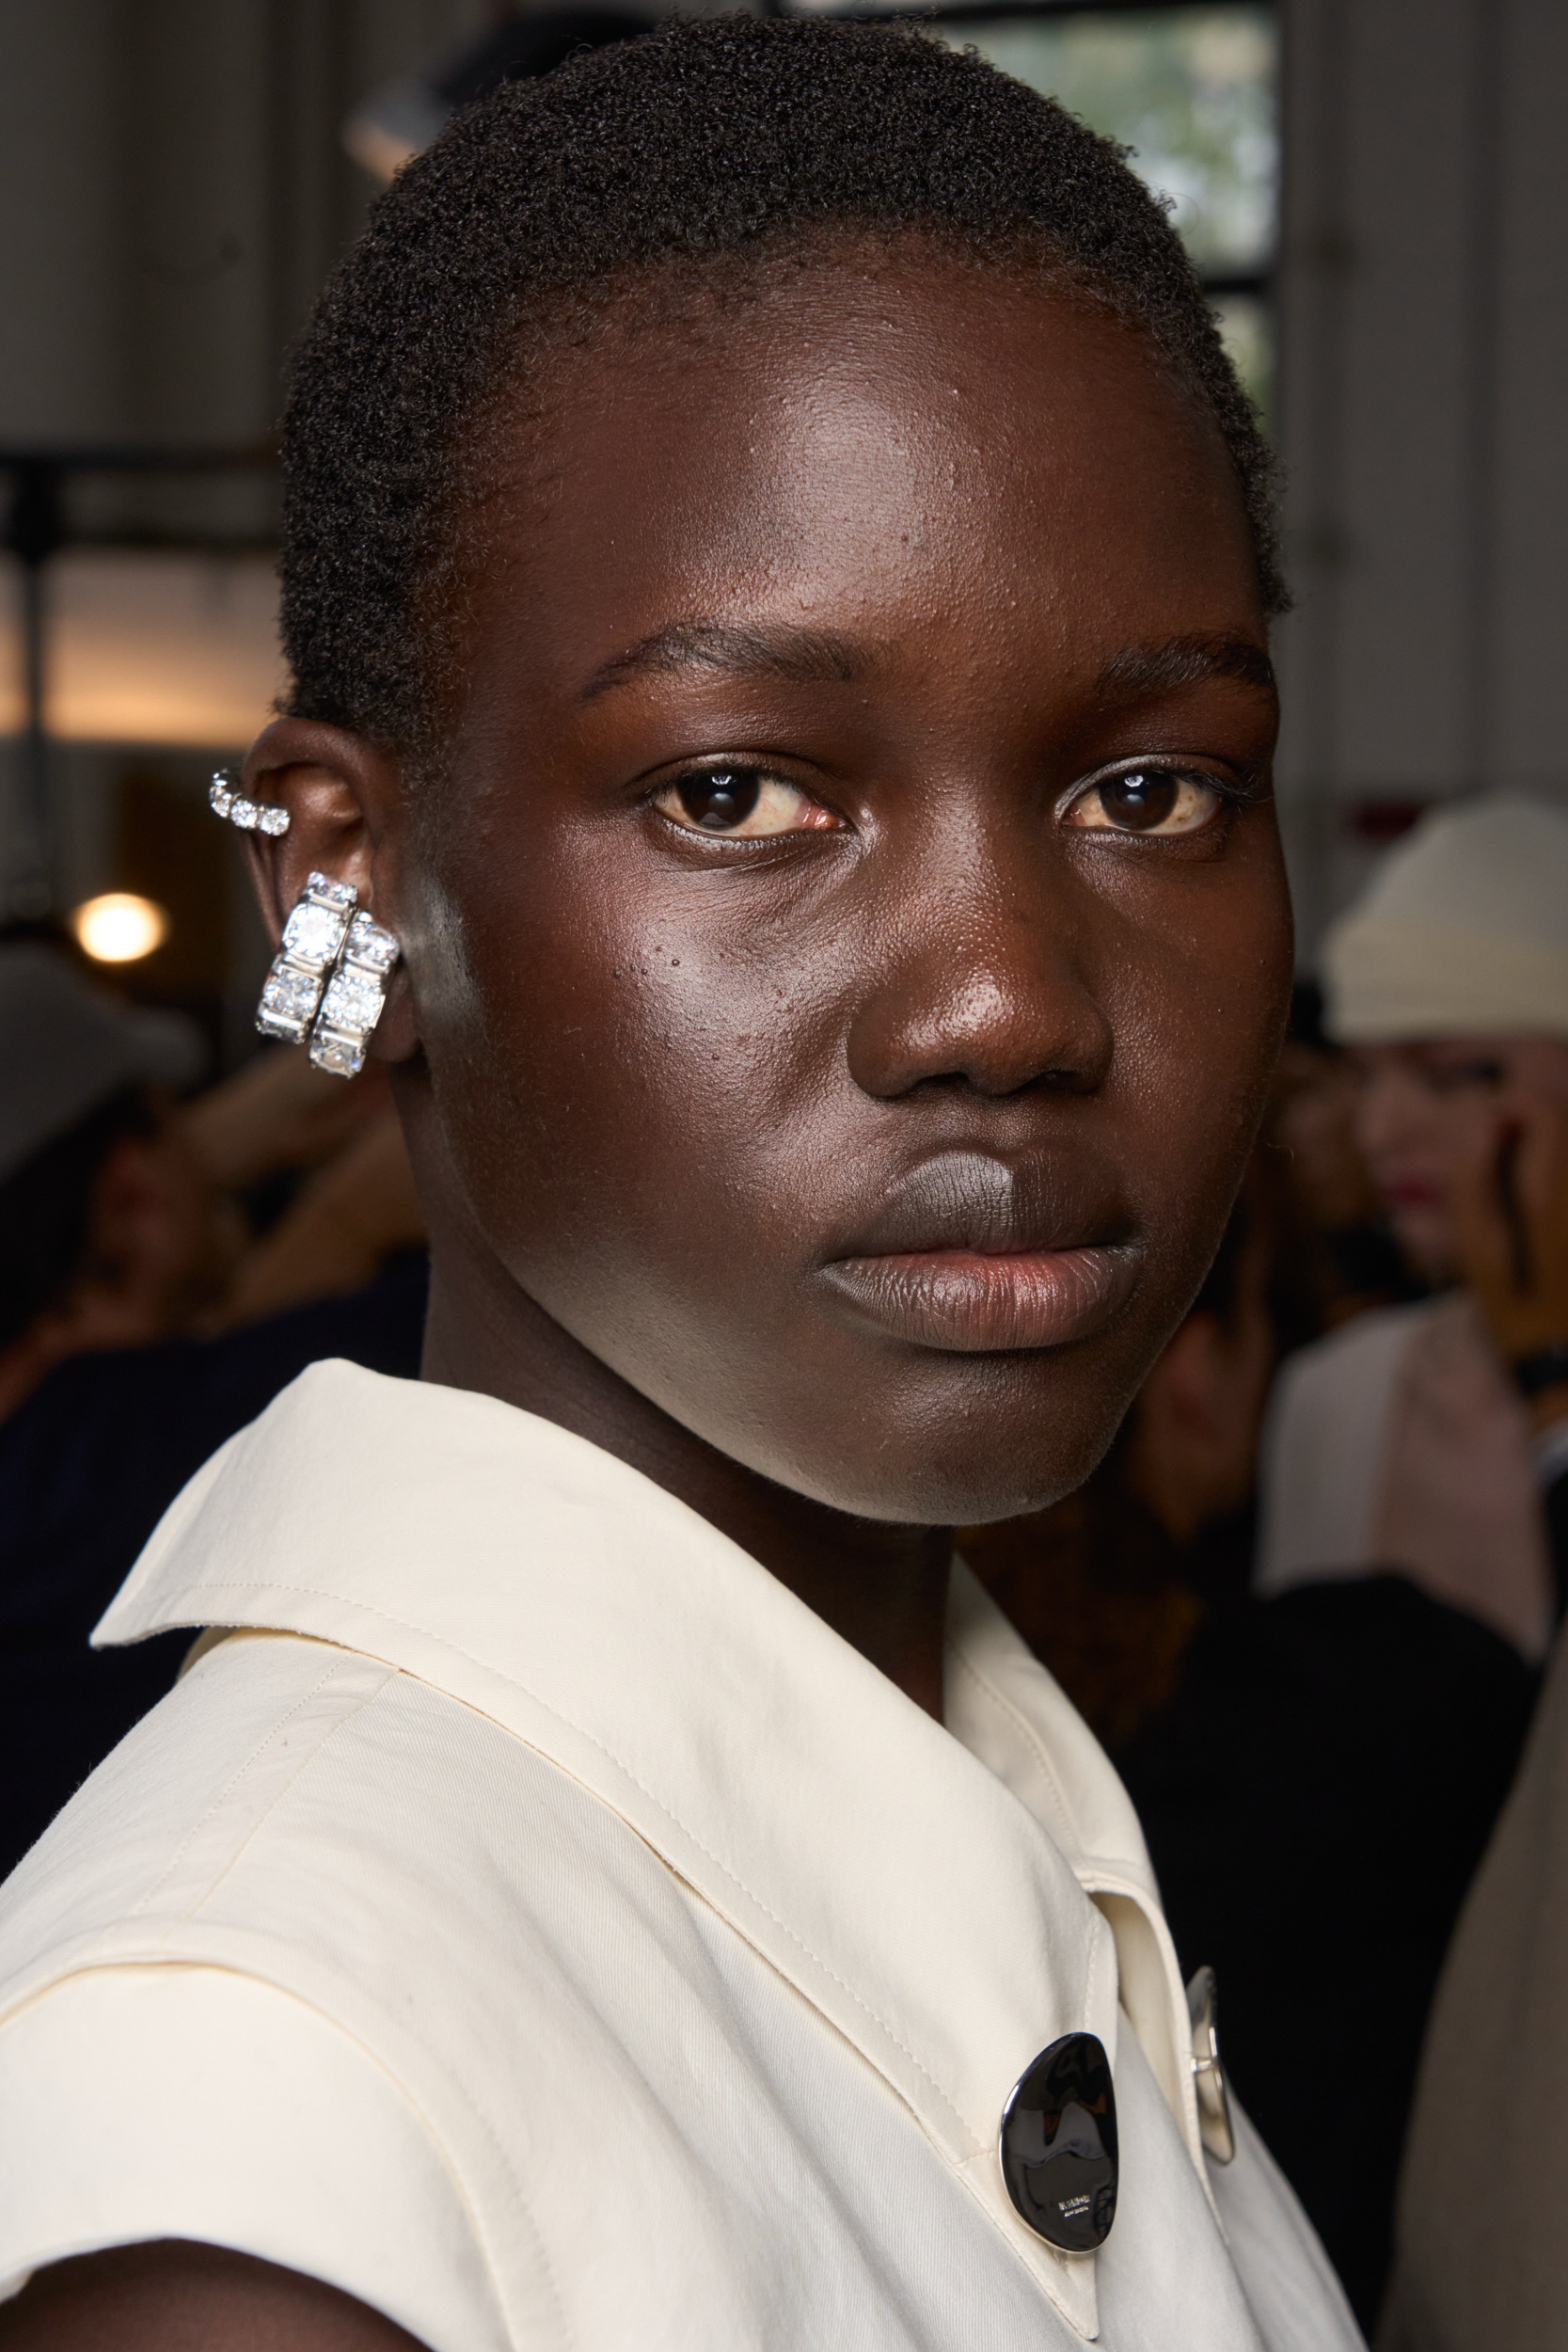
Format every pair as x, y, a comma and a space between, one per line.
250, 816
328, 979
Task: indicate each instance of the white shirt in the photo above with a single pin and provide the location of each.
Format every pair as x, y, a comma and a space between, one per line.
544, 1928
1324, 1440
1399, 1441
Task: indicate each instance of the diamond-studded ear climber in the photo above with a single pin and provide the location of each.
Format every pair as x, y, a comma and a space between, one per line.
250, 816
328, 979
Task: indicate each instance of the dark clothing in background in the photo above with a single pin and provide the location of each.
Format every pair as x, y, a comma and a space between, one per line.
1316, 1799
1556, 1507
89, 1465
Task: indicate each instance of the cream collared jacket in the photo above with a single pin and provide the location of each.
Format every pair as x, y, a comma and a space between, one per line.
537, 1923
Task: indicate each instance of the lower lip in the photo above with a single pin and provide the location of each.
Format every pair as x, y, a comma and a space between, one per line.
962, 1301
1410, 1196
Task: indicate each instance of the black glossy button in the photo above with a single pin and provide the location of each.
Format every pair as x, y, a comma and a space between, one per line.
1059, 2144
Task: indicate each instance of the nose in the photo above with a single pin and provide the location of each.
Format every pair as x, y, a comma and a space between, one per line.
984, 986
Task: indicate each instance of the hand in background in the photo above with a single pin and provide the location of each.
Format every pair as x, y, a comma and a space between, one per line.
1511, 1202
279, 1112
1458, 1506
348, 1218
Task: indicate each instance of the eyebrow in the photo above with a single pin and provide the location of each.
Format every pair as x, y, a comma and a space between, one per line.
803, 656
1139, 670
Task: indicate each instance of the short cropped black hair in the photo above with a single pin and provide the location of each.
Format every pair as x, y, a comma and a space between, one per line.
702, 141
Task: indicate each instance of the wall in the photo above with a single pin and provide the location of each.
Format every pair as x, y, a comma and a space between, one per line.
1423, 393
173, 191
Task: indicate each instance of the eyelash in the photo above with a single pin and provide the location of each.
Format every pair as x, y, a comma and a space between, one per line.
1225, 794
746, 783
749, 781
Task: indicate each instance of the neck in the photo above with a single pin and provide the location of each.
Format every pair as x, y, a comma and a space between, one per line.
882, 1587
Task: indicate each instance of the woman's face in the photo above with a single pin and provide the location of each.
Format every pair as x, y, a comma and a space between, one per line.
1417, 1117
850, 945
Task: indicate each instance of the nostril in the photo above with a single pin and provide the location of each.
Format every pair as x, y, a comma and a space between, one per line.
945, 1021
1059, 1080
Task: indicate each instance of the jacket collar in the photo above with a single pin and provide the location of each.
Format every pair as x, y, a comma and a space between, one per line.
923, 1888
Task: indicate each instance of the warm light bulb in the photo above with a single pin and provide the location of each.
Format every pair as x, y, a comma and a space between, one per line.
120, 927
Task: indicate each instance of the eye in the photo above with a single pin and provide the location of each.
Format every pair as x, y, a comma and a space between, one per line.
1458, 1078
1161, 800
743, 803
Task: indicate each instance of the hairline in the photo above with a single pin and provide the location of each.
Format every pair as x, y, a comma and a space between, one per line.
628, 302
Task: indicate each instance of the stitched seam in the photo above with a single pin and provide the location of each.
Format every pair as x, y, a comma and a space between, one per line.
260, 1820
145, 1901
312, 1593
1004, 1707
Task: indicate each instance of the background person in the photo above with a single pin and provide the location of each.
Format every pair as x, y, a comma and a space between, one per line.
111, 1233
1400, 1441
1481, 2265
1310, 1814
1312, 1122
122, 1218
123, 1242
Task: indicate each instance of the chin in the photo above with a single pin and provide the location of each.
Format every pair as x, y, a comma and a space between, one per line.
1426, 1240
977, 1459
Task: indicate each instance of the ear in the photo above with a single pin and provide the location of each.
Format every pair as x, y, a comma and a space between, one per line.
344, 796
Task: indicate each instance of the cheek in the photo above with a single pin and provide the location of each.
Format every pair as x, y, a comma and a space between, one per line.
1198, 1009
635, 1086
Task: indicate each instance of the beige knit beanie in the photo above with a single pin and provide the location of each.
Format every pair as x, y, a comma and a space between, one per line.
1463, 931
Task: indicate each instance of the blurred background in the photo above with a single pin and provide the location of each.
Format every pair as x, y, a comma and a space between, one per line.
1376, 190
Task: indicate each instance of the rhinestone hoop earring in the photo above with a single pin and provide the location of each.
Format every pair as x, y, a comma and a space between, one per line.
312, 939
355, 996
328, 979
250, 816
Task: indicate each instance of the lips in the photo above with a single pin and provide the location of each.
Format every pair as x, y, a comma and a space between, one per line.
978, 1255
976, 1304
1411, 1192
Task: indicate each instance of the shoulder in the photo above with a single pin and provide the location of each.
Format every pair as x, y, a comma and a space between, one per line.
1322, 1447
294, 1792
152, 2104
370, 1957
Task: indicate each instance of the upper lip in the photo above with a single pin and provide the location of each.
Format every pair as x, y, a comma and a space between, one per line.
992, 1203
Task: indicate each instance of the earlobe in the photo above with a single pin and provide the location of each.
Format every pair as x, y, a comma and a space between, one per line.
396, 1033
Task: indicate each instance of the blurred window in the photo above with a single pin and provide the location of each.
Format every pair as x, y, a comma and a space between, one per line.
1193, 91
160, 646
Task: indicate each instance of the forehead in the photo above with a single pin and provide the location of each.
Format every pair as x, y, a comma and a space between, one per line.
895, 446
